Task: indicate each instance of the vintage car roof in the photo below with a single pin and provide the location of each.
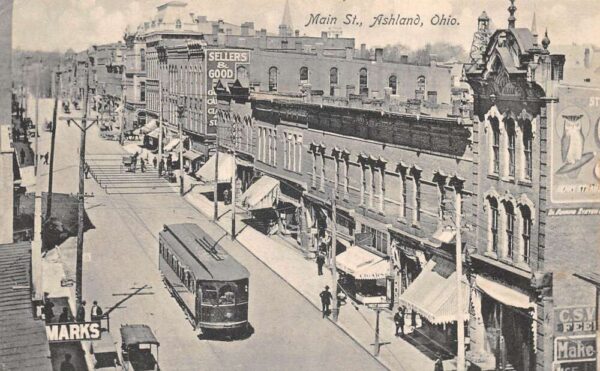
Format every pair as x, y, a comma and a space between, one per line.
137, 334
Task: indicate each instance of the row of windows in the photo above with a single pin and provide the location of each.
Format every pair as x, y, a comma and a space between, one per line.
267, 145
510, 157
376, 239
509, 233
292, 152
363, 81
184, 274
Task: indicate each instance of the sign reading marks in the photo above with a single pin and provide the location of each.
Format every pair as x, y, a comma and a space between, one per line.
575, 320
224, 66
61, 332
575, 348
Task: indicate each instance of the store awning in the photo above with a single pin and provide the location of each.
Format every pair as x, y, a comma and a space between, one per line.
361, 264
154, 133
504, 294
149, 127
226, 165
192, 155
288, 199
443, 235
262, 194
172, 145
433, 293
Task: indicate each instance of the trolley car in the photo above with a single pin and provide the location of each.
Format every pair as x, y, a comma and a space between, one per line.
209, 284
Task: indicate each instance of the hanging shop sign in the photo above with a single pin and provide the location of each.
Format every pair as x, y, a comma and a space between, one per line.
61, 332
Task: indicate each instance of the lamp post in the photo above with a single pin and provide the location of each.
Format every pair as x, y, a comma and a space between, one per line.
180, 112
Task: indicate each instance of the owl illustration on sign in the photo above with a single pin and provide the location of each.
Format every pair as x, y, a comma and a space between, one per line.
572, 140
572, 145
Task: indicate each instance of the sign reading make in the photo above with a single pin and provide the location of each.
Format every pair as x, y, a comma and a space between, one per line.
61, 332
224, 65
575, 348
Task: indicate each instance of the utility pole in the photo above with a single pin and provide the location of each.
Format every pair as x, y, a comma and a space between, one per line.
216, 190
180, 112
460, 325
37, 122
160, 133
123, 102
233, 177
334, 273
52, 141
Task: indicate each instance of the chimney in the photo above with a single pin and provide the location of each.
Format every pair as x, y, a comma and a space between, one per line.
511, 19
379, 55
363, 50
349, 53
263, 32
586, 58
215, 28
244, 29
297, 33
323, 34
404, 59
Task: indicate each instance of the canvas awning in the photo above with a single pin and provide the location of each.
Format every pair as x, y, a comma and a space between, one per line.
443, 235
226, 165
262, 194
362, 264
504, 294
433, 293
192, 155
172, 145
149, 127
154, 133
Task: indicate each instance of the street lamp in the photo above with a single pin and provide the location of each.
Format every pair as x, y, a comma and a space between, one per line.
180, 112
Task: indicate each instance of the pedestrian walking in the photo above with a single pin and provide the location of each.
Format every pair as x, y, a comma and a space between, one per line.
133, 163
142, 165
46, 155
320, 263
325, 301
66, 365
86, 170
169, 163
48, 308
413, 319
96, 312
81, 312
64, 316
439, 364
399, 321
154, 161
161, 166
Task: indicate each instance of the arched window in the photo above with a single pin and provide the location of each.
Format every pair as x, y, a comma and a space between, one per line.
510, 229
363, 82
493, 224
178, 23
495, 145
527, 149
421, 82
333, 80
303, 75
242, 74
273, 79
393, 83
511, 142
526, 233
143, 59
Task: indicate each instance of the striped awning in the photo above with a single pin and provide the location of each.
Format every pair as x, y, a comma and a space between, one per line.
262, 194
433, 294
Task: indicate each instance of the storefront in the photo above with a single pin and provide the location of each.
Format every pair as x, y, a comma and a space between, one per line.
363, 275
151, 139
433, 296
192, 160
503, 325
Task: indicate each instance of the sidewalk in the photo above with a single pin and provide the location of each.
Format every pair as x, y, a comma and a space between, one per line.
288, 263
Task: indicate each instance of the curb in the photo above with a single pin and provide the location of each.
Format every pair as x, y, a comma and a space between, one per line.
296, 290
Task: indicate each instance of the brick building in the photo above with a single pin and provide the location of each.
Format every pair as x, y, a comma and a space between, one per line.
533, 196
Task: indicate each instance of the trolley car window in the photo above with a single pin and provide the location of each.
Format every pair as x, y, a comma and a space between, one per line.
227, 294
209, 295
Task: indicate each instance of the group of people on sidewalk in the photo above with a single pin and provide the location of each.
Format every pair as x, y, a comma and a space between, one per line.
66, 317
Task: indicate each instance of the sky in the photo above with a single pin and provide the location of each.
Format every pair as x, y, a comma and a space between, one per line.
56, 25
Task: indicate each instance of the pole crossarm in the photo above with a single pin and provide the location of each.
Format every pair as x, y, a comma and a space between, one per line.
73, 120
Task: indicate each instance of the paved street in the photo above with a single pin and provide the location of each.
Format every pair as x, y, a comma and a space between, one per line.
121, 254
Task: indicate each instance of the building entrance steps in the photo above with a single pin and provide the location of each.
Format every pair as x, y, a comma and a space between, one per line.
355, 320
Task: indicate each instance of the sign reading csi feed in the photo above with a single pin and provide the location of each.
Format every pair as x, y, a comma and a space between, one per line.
225, 66
578, 320
61, 332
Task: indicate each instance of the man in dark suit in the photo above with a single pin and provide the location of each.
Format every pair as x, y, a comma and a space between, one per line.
320, 263
399, 321
325, 300
81, 312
